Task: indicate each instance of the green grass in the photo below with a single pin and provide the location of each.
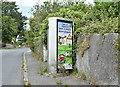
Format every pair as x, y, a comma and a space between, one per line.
42, 70
45, 69
62, 49
66, 85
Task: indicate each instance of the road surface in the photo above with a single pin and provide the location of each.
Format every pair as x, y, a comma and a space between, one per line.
11, 66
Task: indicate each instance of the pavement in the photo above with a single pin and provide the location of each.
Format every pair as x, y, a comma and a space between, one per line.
11, 66
35, 78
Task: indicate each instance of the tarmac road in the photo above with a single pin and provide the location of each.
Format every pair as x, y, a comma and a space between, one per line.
11, 66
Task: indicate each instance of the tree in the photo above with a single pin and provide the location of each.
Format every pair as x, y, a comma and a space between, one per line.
11, 9
9, 28
101, 18
40, 12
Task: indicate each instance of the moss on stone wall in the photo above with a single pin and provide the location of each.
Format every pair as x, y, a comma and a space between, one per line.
81, 75
116, 45
83, 43
99, 62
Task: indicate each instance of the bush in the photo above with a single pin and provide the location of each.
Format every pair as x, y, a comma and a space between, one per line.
87, 19
45, 69
42, 70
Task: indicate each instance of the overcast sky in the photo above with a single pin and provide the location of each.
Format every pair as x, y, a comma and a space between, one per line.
26, 5
33, 2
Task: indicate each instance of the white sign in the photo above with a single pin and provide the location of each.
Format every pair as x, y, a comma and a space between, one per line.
69, 39
68, 66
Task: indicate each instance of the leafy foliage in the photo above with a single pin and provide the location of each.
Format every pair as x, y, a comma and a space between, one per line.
9, 28
10, 9
40, 12
101, 18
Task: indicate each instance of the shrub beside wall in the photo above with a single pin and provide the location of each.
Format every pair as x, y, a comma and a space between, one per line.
38, 50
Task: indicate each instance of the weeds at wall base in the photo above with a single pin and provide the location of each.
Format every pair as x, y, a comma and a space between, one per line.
29, 85
81, 75
42, 70
37, 56
92, 81
58, 82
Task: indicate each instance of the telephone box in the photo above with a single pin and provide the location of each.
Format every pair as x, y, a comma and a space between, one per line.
60, 44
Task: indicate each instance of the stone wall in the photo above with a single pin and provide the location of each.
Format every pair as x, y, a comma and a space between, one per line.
99, 61
9, 46
2, 45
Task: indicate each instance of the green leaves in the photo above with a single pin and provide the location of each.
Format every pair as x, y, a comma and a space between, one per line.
12, 21
9, 28
101, 18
